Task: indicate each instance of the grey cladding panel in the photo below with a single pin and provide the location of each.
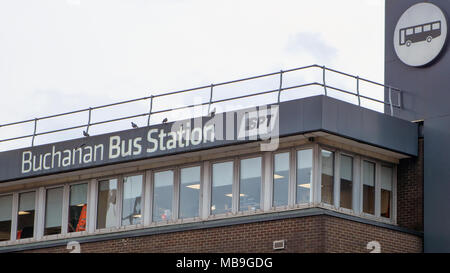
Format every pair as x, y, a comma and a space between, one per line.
437, 185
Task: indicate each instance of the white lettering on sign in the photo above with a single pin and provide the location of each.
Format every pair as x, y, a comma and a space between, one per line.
251, 124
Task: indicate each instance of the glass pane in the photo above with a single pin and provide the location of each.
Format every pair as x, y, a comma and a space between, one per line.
222, 181
25, 218
162, 196
131, 206
107, 204
327, 177
368, 187
304, 175
5, 217
77, 208
53, 211
250, 184
346, 173
386, 191
189, 192
281, 180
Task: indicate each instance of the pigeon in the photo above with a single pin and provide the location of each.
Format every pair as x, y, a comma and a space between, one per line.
85, 134
164, 120
134, 125
213, 112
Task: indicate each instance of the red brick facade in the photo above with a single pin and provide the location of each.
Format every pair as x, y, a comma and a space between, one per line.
321, 233
410, 191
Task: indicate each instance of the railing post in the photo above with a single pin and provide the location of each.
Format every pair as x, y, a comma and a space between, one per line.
281, 85
357, 90
150, 110
399, 96
390, 101
324, 84
34, 132
210, 98
89, 121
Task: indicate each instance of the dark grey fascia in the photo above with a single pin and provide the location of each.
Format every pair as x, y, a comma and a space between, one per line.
312, 114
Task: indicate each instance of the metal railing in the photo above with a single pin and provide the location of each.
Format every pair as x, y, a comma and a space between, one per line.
152, 98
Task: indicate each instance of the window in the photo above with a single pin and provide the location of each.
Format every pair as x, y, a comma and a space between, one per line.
436, 26
107, 204
250, 184
386, 191
281, 179
409, 31
368, 187
427, 28
5, 217
222, 189
418, 30
346, 172
53, 211
304, 175
189, 192
162, 196
77, 208
131, 204
25, 217
327, 177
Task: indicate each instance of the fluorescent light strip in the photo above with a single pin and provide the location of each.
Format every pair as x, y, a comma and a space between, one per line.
194, 186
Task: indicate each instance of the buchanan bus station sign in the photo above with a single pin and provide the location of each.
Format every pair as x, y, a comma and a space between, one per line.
264, 123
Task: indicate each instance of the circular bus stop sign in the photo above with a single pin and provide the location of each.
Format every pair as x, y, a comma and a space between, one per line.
420, 34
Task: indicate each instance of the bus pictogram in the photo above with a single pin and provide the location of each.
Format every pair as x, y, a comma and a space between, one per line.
425, 32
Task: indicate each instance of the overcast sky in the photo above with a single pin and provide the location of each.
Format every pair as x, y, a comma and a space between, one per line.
63, 55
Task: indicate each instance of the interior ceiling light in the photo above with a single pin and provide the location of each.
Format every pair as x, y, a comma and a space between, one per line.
231, 195
194, 186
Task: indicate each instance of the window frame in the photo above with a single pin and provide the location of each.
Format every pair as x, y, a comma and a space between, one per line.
12, 215
378, 163
66, 206
119, 196
291, 177
336, 177
121, 182
357, 183
200, 194
296, 149
175, 193
98, 180
44, 213
238, 181
37, 214
394, 188
234, 188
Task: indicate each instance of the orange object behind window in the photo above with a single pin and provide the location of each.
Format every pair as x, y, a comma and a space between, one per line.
81, 226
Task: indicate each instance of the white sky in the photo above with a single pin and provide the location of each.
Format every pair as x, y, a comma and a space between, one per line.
63, 55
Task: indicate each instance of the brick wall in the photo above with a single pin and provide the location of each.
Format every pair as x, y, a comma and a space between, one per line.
305, 234
410, 192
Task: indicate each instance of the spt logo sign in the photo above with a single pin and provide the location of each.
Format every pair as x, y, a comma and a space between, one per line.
420, 34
